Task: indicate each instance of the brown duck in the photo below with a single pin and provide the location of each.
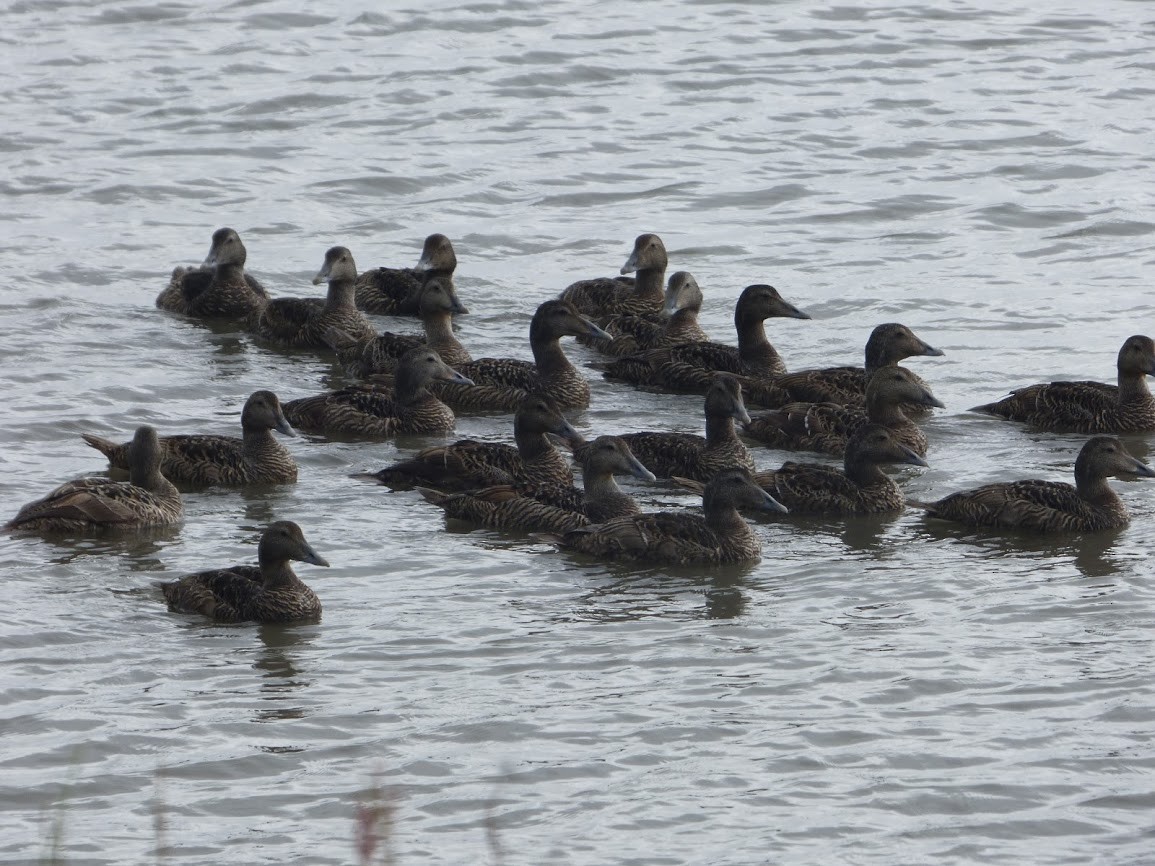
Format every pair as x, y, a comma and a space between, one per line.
1089, 407
606, 296
677, 322
827, 427
146, 499
396, 291
218, 289
267, 592
1051, 506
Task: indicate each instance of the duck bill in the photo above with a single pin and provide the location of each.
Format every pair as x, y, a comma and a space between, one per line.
909, 456
1142, 469
670, 307
930, 350
631, 265
423, 264
789, 311
594, 331
323, 274
769, 503
284, 427
928, 399
566, 431
312, 557
211, 258
640, 471
458, 308
451, 375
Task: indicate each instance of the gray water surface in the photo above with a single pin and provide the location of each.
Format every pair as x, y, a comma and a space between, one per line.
874, 692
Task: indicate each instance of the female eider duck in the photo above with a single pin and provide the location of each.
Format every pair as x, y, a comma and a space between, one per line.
256, 458
468, 464
553, 507
827, 427
302, 323
677, 322
218, 289
1051, 506
268, 592
720, 535
376, 412
1089, 407
396, 291
146, 499
609, 296
691, 366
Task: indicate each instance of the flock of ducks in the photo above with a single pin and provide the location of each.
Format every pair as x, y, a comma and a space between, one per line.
647, 326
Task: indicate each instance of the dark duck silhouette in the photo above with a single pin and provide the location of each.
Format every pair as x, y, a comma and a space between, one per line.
1051, 506
640, 295
676, 322
218, 289
269, 592
396, 291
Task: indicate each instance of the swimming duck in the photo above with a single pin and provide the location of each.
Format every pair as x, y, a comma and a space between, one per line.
719, 536
218, 289
827, 427
691, 366
888, 344
677, 322
667, 454
256, 458
146, 499
535, 507
396, 291
502, 383
301, 323
267, 592
437, 304
468, 464
860, 487
1050, 506
1089, 407
375, 412
608, 296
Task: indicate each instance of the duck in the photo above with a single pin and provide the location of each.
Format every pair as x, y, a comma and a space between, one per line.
860, 487
718, 536
691, 366
367, 411
301, 323
468, 464
146, 499
827, 427
396, 291
1052, 506
608, 296
437, 305
692, 456
255, 458
552, 507
219, 288
676, 322
501, 384
1089, 407
888, 344
269, 592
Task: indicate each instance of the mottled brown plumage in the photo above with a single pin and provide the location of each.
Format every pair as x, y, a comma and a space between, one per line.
720, 535
539, 507
1050, 506
146, 499
374, 412
676, 322
218, 289
608, 296
468, 464
396, 291
827, 427
302, 323
255, 458
268, 592
691, 366
1089, 407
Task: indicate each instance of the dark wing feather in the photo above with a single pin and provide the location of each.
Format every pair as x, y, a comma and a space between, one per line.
222, 594
389, 291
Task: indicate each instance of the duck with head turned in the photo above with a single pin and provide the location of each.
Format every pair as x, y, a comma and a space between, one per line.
641, 295
1089, 407
545, 507
366, 411
302, 323
396, 291
677, 322
720, 535
827, 427
269, 592
218, 289
1051, 506
468, 464
146, 499
256, 458
691, 366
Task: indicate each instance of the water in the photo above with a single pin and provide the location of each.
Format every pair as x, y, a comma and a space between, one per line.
872, 692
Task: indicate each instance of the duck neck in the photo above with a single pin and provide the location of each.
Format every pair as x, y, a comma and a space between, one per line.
548, 356
753, 347
724, 519
341, 295
1133, 388
863, 473
1093, 488
258, 440
439, 331
888, 413
720, 430
230, 273
531, 445
648, 284
682, 322
600, 485
278, 574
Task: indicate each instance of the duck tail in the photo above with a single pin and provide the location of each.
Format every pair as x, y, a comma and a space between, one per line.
107, 447
436, 497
